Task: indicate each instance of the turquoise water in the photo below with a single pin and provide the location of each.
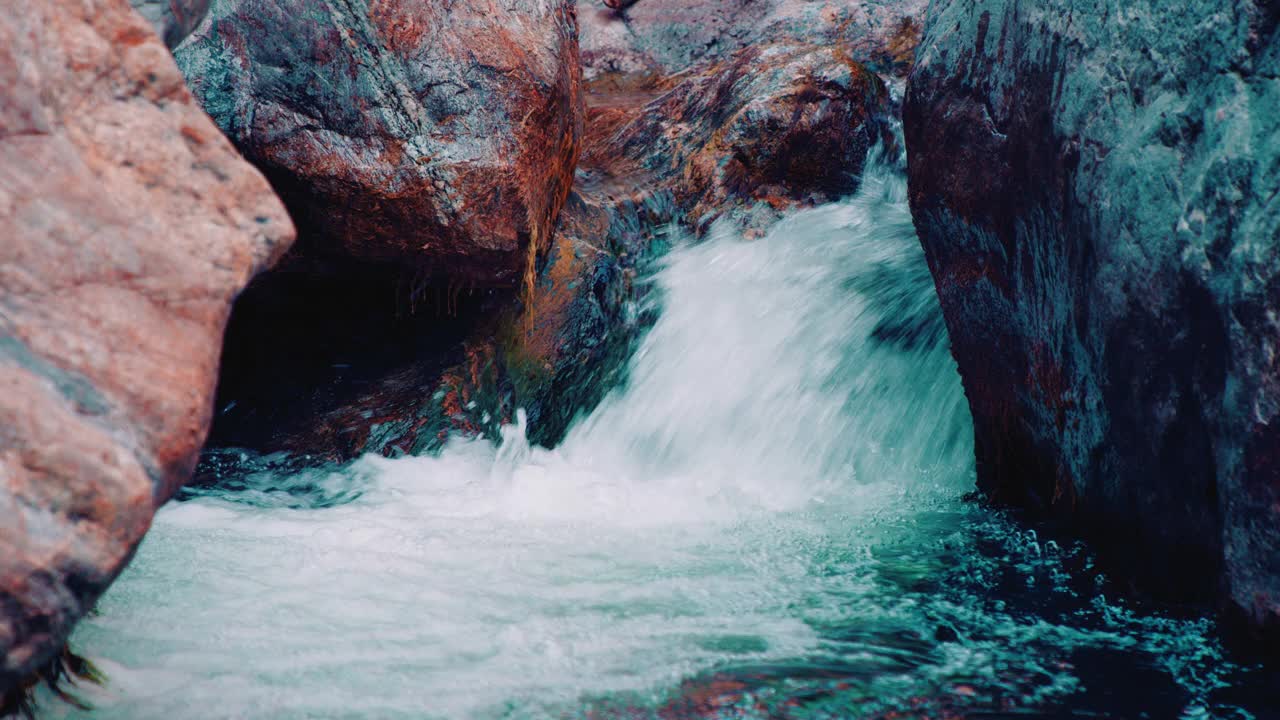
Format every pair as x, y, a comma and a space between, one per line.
767, 521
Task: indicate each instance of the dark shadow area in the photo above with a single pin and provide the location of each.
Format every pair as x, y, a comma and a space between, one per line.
308, 338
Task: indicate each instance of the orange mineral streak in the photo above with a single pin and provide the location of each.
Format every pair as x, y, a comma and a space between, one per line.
552, 136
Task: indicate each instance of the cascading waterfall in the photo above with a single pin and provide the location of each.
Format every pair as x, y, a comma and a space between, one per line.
767, 519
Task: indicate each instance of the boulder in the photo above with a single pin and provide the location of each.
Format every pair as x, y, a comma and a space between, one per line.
1094, 184
436, 136
127, 226
771, 126
659, 37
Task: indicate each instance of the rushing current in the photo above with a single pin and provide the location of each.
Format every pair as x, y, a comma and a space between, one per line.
767, 520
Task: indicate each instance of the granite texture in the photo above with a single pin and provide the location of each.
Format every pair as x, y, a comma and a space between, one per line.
436, 136
128, 224
1095, 186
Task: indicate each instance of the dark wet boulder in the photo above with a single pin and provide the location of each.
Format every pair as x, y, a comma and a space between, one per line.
660, 37
1095, 185
436, 136
767, 129
128, 224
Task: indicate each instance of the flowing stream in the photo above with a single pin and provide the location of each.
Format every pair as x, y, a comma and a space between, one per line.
768, 520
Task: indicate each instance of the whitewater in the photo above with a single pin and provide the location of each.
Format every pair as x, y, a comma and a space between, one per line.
768, 519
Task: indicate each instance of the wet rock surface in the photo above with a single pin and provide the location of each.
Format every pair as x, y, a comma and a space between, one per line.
771, 127
729, 140
434, 136
128, 224
1094, 186
660, 37
732, 139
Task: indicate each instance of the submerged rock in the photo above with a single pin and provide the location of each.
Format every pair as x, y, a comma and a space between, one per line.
129, 224
765, 130
1095, 188
437, 136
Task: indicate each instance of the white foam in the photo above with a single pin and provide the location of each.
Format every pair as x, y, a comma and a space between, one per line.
764, 438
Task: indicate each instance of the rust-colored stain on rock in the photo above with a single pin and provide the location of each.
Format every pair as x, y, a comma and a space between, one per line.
437, 136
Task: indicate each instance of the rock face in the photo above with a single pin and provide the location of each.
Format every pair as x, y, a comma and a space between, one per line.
127, 225
739, 139
1094, 184
435, 135
776, 125
173, 19
660, 37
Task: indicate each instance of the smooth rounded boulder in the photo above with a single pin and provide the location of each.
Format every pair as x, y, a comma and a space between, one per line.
433, 135
128, 224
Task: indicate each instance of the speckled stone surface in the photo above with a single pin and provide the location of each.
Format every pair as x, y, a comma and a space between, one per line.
661, 37
128, 224
1095, 185
435, 135
173, 19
